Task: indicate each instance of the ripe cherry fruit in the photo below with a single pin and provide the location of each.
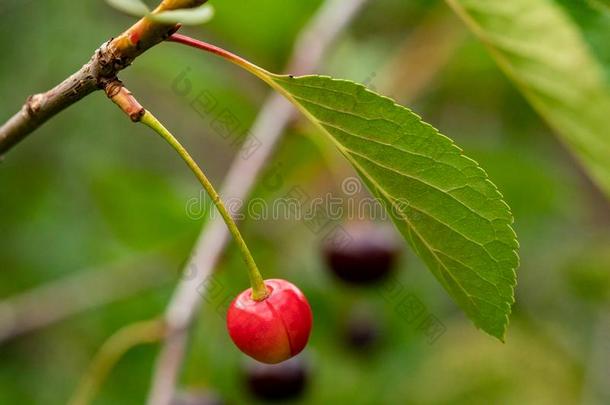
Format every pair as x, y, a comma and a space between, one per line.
273, 329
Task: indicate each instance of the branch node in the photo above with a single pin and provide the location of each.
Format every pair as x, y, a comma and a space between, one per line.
32, 104
105, 63
123, 98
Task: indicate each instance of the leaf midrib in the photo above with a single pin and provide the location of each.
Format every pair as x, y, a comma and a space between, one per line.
390, 199
444, 192
408, 221
325, 123
432, 251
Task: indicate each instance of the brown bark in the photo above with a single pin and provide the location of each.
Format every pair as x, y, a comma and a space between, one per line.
109, 59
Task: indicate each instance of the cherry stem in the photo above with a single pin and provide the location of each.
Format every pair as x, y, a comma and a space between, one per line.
259, 290
231, 57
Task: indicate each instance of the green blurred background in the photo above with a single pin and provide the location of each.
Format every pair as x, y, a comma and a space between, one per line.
89, 191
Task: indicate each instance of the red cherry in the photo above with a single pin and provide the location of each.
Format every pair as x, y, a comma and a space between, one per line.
274, 329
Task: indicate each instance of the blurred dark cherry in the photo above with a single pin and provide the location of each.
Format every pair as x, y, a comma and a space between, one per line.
365, 255
362, 330
277, 382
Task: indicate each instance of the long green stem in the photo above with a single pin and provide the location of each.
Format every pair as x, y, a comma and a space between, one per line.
259, 291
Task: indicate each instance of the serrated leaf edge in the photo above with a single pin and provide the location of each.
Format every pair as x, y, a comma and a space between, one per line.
459, 150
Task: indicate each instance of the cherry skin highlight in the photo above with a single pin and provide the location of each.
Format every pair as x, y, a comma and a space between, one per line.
274, 329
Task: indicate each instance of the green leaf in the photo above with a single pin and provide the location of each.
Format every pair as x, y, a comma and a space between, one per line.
542, 50
440, 200
186, 16
135, 8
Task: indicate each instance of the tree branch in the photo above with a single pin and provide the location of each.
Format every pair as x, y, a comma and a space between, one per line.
109, 59
271, 122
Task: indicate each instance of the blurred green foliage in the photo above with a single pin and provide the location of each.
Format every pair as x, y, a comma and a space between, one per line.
91, 189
